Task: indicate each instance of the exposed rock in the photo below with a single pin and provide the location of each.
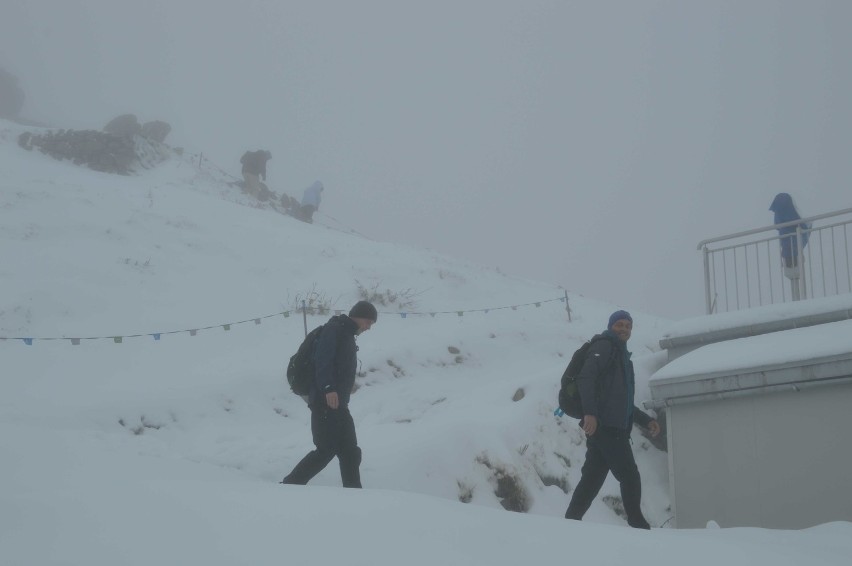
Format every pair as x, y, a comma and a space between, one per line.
156, 130
25, 140
288, 202
508, 486
100, 151
125, 125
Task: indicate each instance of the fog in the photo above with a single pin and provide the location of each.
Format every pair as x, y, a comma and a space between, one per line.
587, 144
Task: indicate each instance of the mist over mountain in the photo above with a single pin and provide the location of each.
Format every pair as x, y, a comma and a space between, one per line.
584, 144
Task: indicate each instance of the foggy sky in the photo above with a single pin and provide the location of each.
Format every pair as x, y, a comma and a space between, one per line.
589, 144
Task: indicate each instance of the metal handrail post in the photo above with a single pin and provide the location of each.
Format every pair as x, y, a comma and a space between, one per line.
707, 280
800, 259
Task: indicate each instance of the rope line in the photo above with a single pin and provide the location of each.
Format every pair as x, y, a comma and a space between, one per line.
119, 338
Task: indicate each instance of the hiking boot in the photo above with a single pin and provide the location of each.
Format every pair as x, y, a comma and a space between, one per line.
643, 524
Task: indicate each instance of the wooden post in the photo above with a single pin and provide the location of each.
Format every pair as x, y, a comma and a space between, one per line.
305, 316
567, 306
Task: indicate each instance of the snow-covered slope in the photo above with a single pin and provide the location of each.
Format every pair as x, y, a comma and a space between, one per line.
177, 248
183, 293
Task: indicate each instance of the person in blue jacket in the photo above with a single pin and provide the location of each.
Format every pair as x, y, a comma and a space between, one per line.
332, 426
606, 385
310, 201
785, 211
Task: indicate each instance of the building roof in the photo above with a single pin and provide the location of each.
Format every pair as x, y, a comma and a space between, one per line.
690, 333
795, 358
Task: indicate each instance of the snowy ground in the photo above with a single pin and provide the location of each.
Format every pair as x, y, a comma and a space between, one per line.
162, 438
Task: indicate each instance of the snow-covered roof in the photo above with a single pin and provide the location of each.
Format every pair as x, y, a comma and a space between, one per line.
787, 358
758, 320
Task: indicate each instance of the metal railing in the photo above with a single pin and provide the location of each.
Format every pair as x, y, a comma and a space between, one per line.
745, 269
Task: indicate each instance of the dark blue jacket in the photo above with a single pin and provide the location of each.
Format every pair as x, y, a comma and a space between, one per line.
785, 211
336, 360
607, 384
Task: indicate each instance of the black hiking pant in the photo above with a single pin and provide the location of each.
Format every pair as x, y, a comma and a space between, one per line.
608, 450
334, 435
306, 213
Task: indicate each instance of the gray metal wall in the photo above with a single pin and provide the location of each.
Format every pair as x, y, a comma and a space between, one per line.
774, 460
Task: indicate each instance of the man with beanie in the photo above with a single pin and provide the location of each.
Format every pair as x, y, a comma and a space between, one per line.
332, 426
606, 385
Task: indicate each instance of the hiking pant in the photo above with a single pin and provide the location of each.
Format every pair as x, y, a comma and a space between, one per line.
252, 185
306, 213
334, 435
608, 450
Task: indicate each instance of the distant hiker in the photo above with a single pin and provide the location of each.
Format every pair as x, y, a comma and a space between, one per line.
254, 169
310, 202
785, 211
332, 426
606, 384
289, 204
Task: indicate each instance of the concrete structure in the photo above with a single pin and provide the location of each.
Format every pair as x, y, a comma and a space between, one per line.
758, 431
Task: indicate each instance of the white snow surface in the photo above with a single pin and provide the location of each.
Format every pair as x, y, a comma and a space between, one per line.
774, 349
758, 315
134, 450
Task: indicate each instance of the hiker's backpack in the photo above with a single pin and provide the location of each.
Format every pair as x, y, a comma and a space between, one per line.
301, 369
569, 394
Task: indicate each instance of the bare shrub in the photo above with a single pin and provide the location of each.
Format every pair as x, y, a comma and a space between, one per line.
312, 301
402, 300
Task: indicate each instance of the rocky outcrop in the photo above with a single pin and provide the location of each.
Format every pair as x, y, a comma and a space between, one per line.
156, 130
100, 151
125, 125
123, 146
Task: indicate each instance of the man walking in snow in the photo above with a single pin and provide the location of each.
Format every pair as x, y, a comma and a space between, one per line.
332, 426
254, 169
606, 385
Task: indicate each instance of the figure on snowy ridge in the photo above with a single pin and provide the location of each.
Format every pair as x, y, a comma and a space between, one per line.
254, 169
310, 202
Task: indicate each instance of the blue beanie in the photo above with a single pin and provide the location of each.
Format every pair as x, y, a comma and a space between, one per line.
616, 316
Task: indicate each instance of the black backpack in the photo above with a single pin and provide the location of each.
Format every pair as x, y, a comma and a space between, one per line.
569, 394
301, 370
